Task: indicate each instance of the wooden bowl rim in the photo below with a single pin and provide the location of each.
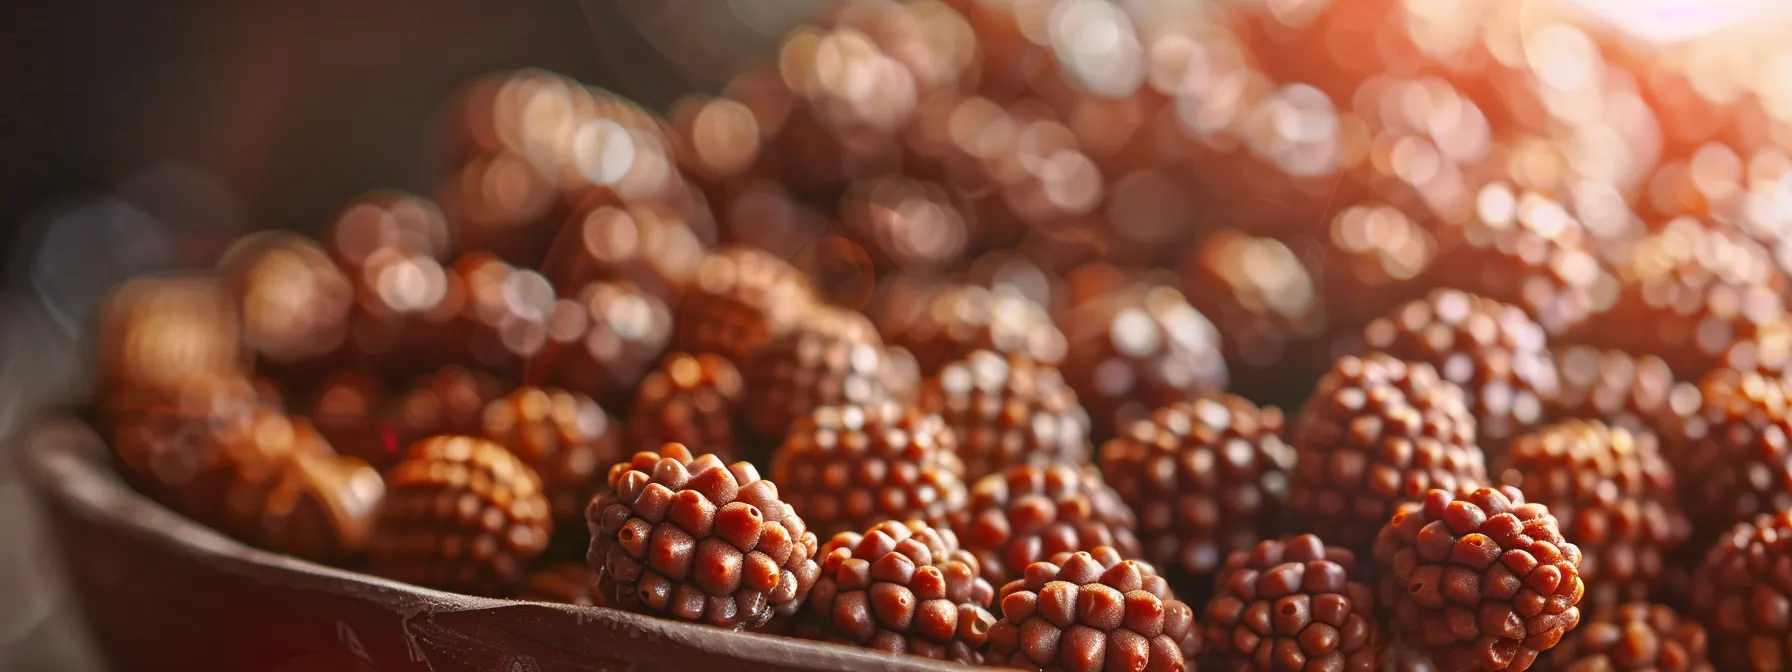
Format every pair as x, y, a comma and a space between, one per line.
68, 466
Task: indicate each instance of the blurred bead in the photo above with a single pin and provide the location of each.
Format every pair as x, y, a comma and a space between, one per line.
1139, 349
383, 220
648, 245
294, 301
831, 357
601, 341
158, 333
565, 437
945, 322
350, 409
322, 507
507, 312
450, 401
742, 298
688, 399
1267, 308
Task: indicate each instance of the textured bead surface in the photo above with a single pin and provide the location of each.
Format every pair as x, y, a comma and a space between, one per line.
741, 299
450, 401
1613, 495
1736, 461
1377, 432
1137, 350
902, 588
830, 356
688, 399
1493, 351
947, 322
1030, 513
1091, 611
1634, 637
1743, 594
848, 467
1479, 578
1206, 477
1621, 390
1008, 410
462, 514
1293, 605
691, 539
602, 340
565, 437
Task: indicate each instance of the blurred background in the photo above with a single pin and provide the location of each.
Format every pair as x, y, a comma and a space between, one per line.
142, 136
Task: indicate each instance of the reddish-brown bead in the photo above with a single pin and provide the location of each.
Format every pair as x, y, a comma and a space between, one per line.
1206, 477
1493, 351
1734, 461
1479, 578
1613, 495
830, 356
742, 298
947, 322
602, 340
1743, 595
688, 399
1293, 605
1634, 637
461, 514
1029, 513
1092, 610
1008, 410
1378, 432
903, 588
565, 437
690, 539
847, 467
1137, 350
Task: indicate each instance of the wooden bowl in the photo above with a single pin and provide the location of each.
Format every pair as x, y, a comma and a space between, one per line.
162, 592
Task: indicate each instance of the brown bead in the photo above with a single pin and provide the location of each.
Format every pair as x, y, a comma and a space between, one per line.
602, 340
294, 301
1634, 637
1377, 432
1613, 494
1008, 410
1493, 351
942, 323
688, 399
1699, 289
1740, 593
1622, 390
351, 410
322, 506
1480, 578
1092, 610
461, 514
157, 333
1264, 301
1029, 513
847, 467
1306, 595
1139, 349
450, 401
903, 582
648, 245
565, 437
742, 298
694, 540
1206, 477
1734, 461
1526, 250
830, 356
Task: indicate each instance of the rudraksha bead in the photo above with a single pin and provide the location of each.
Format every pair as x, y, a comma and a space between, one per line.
1741, 593
1293, 605
847, 467
565, 437
689, 399
351, 410
694, 540
1093, 610
462, 514
1206, 477
903, 588
157, 333
293, 299
1139, 349
1613, 494
1736, 462
948, 322
1634, 637
450, 401
321, 506
1479, 578
742, 299
1378, 432
1029, 513
1008, 410
1622, 390
1493, 351
832, 356
602, 340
